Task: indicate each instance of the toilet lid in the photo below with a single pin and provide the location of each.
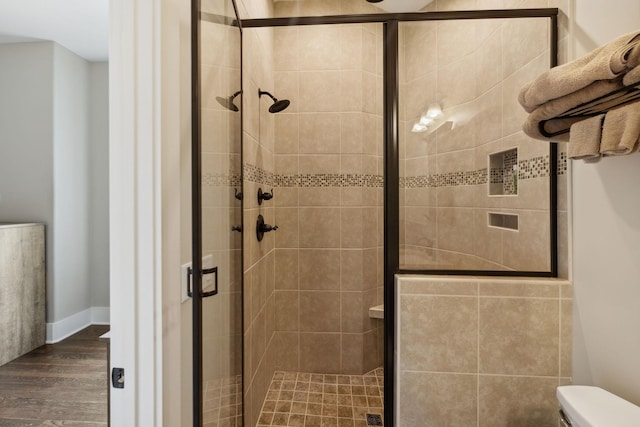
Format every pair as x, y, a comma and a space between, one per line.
587, 406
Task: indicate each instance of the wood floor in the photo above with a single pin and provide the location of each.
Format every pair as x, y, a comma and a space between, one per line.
63, 384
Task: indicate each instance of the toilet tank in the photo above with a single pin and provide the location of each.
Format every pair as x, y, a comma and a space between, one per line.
586, 406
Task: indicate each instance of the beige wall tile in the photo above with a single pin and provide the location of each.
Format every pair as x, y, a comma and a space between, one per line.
438, 333
370, 268
287, 233
287, 346
353, 307
524, 41
460, 196
519, 288
517, 401
286, 41
319, 311
455, 229
351, 132
418, 60
319, 196
456, 39
317, 91
566, 338
287, 197
420, 197
420, 226
350, 96
319, 269
320, 352
488, 240
489, 58
371, 351
528, 248
320, 228
351, 223
438, 399
351, 268
438, 286
459, 133
513, 114
320, 164
317, 47
286, 87
369, 98
488, 121
418, 95
286, 133
287, 310
352, 354
369, 63
351, 47
285, 165
319, 133
519, 336
455, 85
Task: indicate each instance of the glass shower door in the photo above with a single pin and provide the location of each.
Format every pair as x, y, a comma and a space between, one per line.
217, 206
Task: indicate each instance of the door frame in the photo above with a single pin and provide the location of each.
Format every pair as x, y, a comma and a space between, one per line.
147, 115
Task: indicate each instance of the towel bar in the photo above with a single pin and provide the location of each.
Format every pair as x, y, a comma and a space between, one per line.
602, 104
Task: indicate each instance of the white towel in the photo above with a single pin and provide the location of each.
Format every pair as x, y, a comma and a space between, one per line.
621, 131
584, 143
605, 63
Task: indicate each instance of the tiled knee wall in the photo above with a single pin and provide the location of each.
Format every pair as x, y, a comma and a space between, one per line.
482, 351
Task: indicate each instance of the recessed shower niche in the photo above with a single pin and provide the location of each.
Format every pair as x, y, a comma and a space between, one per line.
503, 173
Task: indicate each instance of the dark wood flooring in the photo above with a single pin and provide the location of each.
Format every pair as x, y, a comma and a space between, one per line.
63, 384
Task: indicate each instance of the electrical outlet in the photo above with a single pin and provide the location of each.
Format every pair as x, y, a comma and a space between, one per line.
208, 281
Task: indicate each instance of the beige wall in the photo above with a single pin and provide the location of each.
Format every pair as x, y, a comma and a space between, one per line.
473, 70
259, 257
328, 197
481, 351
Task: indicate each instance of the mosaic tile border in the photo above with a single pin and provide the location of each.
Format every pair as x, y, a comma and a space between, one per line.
260, 176
221, 180
535, 167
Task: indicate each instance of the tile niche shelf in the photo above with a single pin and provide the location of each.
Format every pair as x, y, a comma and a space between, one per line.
503, 173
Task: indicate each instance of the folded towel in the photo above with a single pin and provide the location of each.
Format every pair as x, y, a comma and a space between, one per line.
605, 63
549, 112
584, 143
621, 130
632, 77
633, 58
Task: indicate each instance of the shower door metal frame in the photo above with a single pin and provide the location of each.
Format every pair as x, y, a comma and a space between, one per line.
391, 208
197, 293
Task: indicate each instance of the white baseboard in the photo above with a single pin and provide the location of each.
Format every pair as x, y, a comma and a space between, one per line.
68, 326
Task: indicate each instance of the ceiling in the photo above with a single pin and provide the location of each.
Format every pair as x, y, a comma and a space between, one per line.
82, 26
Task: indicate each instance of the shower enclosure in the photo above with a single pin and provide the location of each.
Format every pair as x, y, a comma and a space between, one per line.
400, 151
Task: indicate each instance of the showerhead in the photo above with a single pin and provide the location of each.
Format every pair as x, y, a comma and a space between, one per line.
228, 102
278, 105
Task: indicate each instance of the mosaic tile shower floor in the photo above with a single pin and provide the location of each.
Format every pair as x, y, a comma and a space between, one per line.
317, 400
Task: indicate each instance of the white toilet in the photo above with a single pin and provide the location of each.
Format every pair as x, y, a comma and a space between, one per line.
586, 406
